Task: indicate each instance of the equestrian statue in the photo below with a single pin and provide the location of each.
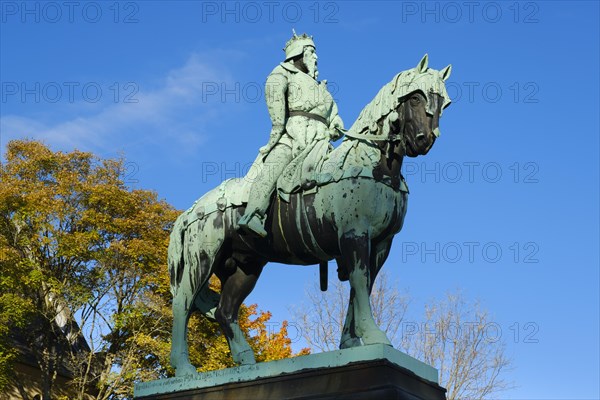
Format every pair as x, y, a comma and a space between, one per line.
303, 202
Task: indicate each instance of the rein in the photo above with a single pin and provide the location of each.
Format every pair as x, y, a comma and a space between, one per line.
366, 136
378, 138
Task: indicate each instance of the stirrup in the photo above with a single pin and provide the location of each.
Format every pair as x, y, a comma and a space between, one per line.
252, 223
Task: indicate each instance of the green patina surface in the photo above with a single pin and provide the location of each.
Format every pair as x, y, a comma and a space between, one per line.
274, 368
358, 202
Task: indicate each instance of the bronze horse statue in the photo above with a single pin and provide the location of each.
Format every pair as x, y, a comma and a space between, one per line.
349, 211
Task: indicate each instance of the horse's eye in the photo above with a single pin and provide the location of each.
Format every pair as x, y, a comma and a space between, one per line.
415, 100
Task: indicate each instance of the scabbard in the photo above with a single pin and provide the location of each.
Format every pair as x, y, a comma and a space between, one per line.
323, 275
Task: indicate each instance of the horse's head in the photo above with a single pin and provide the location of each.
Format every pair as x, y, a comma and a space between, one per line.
423, 98
406, 110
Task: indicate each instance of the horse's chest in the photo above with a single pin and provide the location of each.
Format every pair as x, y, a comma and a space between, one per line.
359, 206
391, 217
385, 211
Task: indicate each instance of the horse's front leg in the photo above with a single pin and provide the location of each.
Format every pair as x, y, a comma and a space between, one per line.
349, 337
356, 256
379, 253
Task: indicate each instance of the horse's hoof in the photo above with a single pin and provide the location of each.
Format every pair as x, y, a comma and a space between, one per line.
376, 337
350, 342
245, 357
186, 369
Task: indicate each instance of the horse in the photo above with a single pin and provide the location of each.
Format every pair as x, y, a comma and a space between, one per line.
349, 212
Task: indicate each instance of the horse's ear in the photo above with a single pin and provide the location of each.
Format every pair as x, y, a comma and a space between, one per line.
422, 66
445, 73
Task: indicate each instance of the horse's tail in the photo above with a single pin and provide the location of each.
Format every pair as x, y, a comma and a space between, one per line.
196, 239
175, 253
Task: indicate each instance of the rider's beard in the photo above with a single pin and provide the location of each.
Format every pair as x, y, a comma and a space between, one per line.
311, 67
312, 70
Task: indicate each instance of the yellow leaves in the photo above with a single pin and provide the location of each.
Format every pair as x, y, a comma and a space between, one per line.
70, 227
75, 205
13, 311
35, 278
7, 357
26, 149
144, 340
8, 254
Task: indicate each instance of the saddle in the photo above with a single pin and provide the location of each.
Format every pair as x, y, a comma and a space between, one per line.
322, 165
316, 166
301, 173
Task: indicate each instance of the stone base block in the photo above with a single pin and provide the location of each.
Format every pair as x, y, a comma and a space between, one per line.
369, 372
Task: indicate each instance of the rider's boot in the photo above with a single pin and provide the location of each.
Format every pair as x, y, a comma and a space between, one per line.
253, 220
262, 188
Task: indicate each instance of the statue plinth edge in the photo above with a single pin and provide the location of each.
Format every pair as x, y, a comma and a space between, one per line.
374, 371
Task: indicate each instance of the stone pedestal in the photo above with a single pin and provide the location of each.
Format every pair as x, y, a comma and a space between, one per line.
368, 372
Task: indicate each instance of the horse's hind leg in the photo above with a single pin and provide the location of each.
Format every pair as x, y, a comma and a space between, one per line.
207, 302
180, 360
235, 287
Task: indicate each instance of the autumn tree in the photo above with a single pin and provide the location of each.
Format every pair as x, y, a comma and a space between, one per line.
460, 339
84, 279
75, 241
453, 335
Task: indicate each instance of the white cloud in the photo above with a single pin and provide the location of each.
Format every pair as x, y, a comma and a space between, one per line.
171, 115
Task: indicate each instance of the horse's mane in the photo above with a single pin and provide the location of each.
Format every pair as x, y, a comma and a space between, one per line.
361, 153
391, 95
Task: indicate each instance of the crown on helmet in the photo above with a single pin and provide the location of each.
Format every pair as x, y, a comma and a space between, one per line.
295, 46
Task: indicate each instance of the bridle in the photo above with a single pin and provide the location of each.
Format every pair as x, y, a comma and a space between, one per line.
396, 137
391, 138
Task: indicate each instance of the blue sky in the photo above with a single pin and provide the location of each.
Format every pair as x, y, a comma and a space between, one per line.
176, 87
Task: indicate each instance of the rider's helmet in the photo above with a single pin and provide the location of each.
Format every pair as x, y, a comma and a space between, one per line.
295, 46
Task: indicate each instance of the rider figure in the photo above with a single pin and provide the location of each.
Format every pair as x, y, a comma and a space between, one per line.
302, 112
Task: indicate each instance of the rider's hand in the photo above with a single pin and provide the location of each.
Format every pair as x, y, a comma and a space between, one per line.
335, 132
276, 132
264, 150
336, 128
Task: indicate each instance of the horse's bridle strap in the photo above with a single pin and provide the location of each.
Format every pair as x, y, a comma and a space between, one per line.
366, 136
